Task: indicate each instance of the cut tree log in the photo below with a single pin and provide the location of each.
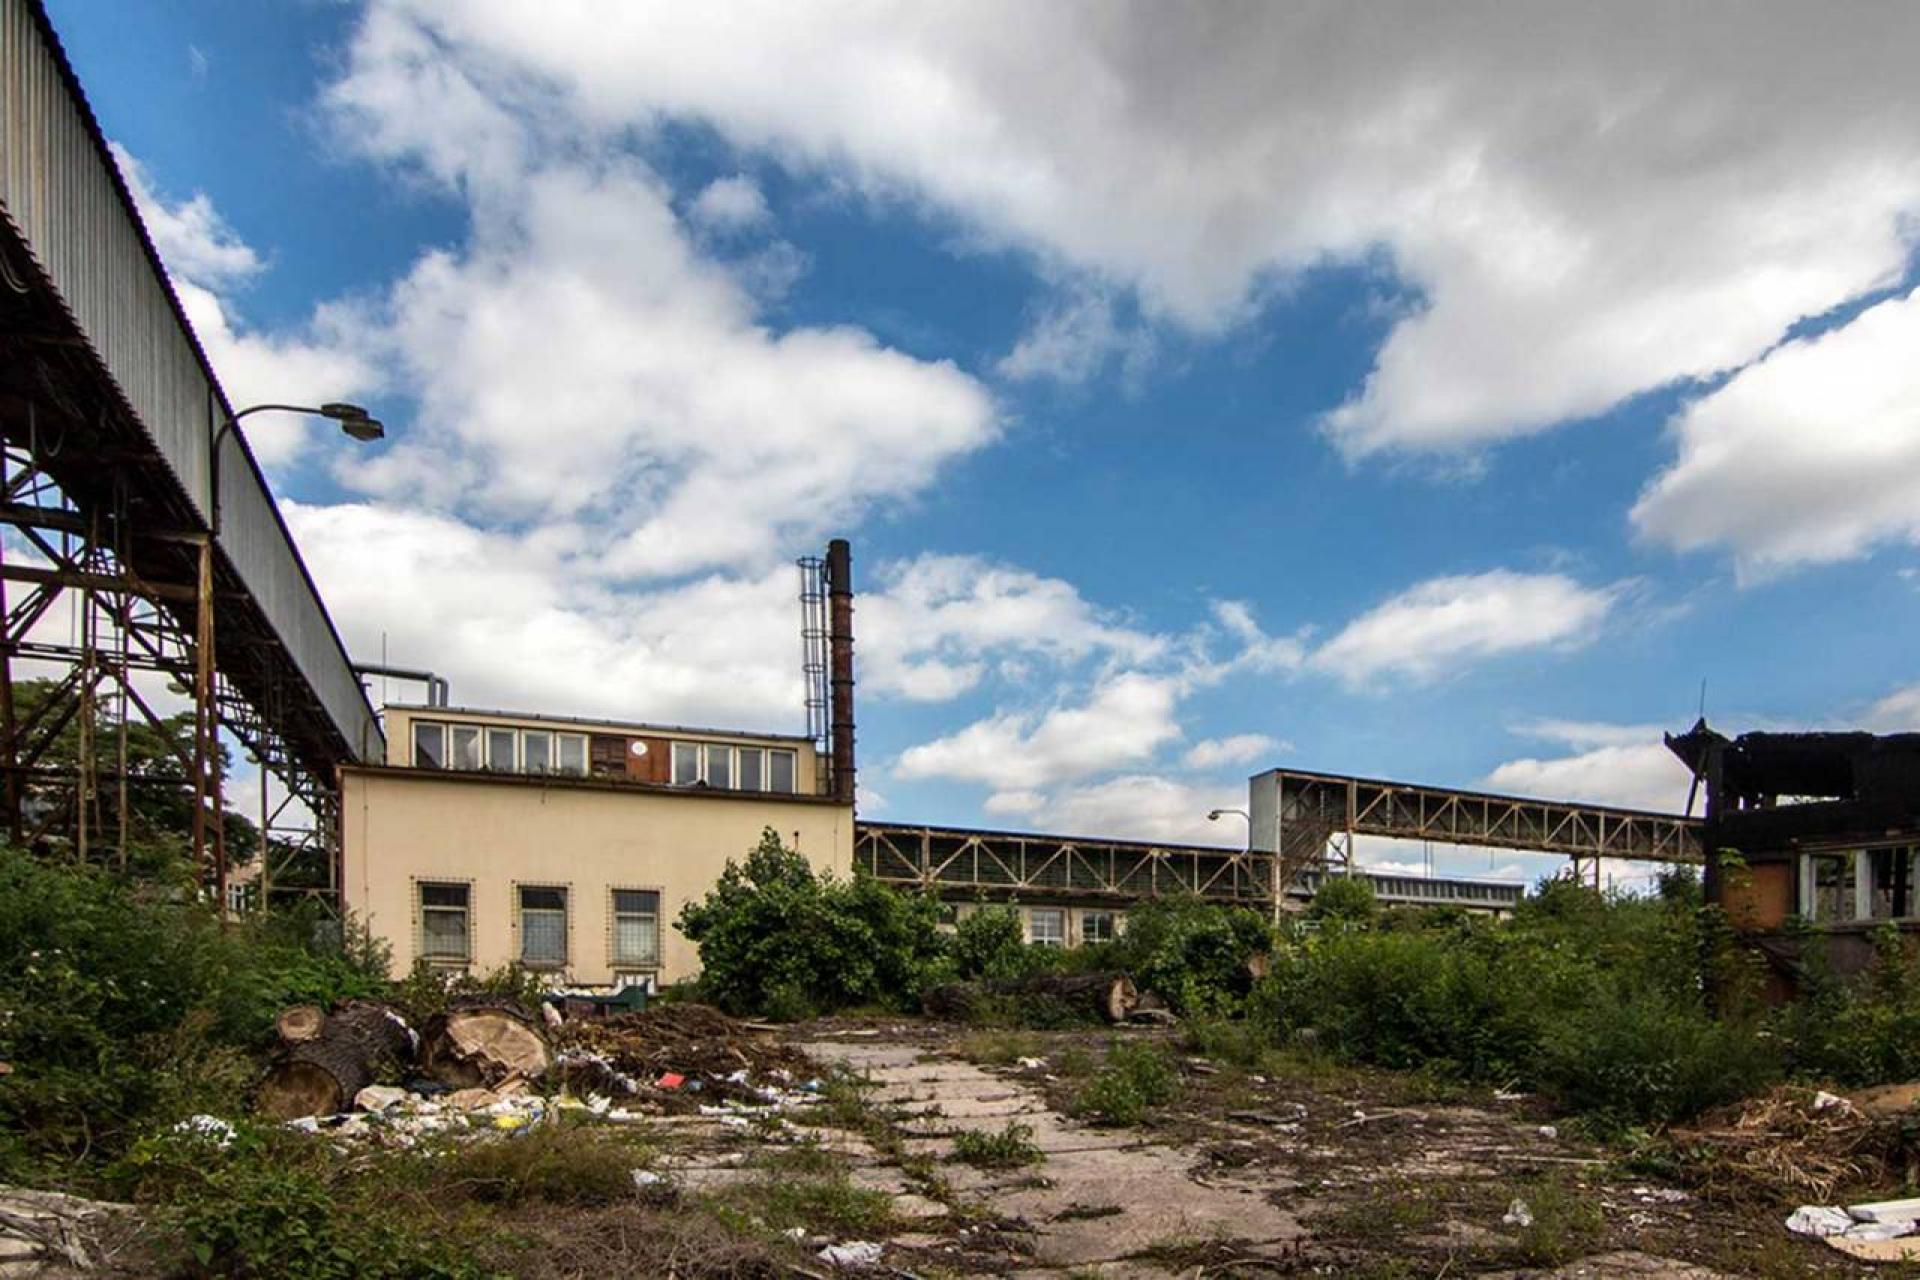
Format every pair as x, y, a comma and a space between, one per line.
298, 1023
321, 1076
1110, 997
481, 1041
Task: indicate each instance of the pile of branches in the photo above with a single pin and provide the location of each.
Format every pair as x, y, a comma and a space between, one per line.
1801, 1145
692, 1041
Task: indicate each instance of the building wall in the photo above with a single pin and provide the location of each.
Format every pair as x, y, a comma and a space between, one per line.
404, 826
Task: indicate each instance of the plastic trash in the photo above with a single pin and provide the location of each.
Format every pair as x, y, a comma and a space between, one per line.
1518, 1214
1819, 1221
670, 1080
855, 1253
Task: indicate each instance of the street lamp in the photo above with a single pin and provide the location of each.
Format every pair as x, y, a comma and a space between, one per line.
354, 421
1214, 815
357, 423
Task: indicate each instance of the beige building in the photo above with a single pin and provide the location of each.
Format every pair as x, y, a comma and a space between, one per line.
568, 845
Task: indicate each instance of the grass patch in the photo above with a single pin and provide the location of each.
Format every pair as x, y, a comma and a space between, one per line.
1010, 1148
552, 1164
1567, 1223
831, 1206
1134, 1080
998, 1048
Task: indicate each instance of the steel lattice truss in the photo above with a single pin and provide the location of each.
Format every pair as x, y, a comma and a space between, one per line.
1000, 864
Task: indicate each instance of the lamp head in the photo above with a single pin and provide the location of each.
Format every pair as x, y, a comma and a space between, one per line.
355, 421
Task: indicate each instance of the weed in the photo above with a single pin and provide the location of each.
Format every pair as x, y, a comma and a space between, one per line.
554, 1164
998, 1048
819, 1205
1566, 1223
1010, 1148
1134, 1079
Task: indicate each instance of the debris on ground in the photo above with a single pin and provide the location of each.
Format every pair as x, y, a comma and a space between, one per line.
44, 1230
858, 1253
1793, 1143
685, 1054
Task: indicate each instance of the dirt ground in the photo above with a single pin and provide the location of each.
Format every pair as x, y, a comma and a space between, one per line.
1295, 1168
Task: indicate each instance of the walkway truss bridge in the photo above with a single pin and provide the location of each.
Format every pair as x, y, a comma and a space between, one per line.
114, 584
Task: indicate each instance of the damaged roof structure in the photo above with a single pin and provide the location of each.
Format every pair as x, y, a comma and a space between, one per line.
1821, 828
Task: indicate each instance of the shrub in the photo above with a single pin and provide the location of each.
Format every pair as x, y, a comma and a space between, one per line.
1192, 953
990, 943
1344, 899
554, 1164
125, 1006
1134, 1079
1010, 1148
775, 935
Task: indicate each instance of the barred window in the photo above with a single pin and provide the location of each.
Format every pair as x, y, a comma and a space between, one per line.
1096, 926
1047, 927
543, 927
444, 927
636, 928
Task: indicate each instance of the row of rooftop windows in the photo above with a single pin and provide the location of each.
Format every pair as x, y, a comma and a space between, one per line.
502, 749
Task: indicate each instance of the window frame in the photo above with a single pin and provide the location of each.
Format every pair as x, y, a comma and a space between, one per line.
724, 751
520, 909
559, 767
617, 962
438, 727
792, 758
1056, 914
479, 738
512, 735
526, 766
445, 960
1111, 919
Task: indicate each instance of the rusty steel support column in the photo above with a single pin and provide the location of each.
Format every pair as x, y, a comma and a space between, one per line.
840, 663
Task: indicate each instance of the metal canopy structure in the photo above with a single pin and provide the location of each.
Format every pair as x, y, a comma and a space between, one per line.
109, 410
1311, 819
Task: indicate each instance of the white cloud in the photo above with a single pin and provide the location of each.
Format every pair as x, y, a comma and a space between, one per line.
513, 621
1808, 457
1005, 802
730, 204
1240, 748
1898, 712
1624, 765
929, 631
1146, 807
1442, 624
193, 239
1586, 205
1123, 721
580, 361
1074, 337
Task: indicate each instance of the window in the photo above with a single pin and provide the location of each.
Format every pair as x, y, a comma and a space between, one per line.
780, 770
719, 766
536, 752
1096, 926
543, 927
1891, 891
466, 746
686, 763
636, 928
573, 753
1047, 927
429, 745
1829, 886
753, 769
501, 756
444, 932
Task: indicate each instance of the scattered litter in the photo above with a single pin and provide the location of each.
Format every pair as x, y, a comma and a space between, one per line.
1886, 1211
670, 1080
646, 1178
1549, 1131
1032, 1064
858, 1253
1510, 1095
213, 1128
379, 1097
1824, 1101
1791, 1144
1518, 1214
1660, 1195
1819, 1221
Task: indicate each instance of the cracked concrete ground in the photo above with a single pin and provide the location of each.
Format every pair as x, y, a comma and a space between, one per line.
1101, 1198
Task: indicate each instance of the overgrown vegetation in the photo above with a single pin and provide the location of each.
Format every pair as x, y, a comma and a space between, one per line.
779, 939
125, 1006
1009, 1148
1134, 1079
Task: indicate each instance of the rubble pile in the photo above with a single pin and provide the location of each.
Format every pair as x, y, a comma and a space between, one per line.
680, 1056
1797, 1144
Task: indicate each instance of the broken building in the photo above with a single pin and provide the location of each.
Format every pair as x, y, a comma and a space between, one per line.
1821, 829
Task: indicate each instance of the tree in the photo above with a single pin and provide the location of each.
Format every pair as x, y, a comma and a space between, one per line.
1347, 899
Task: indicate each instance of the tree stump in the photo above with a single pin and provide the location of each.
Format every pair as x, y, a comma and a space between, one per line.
299, 1023
479, 1042
1111, 997
320, 1075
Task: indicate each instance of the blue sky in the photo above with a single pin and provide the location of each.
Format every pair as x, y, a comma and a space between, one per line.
1394, 395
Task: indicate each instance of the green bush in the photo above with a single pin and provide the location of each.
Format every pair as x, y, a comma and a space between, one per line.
1133, 1080
1348, 900
776, 936
1194, 954
990, 943
1010, 1148
125, 1006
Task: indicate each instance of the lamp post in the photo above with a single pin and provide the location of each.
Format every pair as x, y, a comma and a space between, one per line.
1214, 815
357, 423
